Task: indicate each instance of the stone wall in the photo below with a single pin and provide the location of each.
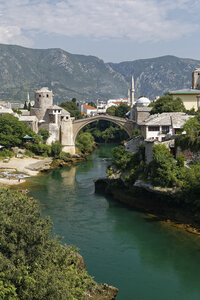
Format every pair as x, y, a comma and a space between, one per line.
189, 155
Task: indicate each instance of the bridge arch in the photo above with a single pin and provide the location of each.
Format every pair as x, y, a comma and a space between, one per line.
78, 125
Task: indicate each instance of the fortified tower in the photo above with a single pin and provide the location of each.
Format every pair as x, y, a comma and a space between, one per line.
196, 79
43, 100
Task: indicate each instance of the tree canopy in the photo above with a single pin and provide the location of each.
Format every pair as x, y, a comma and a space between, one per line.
72, 108
118, 111
85, 142
12, 131
106, 131
34, 264
166, 103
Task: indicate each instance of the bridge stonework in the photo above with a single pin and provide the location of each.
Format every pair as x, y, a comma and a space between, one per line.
77, 125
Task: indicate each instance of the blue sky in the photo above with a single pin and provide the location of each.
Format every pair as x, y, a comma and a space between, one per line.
114, 30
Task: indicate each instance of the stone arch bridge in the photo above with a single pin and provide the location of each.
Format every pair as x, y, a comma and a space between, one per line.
71, 130
126, 124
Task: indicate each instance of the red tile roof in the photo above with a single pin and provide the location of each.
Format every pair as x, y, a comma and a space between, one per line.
88, 106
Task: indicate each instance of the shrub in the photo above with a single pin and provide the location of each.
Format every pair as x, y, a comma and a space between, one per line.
44, 133
180, 160
163, 168
65, 155
41, 149
29, 153
6, 153
56, 149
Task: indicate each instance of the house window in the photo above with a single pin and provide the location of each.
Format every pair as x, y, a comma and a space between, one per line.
39, 95
153, 128
165, 129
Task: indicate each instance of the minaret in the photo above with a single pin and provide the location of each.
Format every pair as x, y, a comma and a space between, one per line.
132, 92
129, 97
28, 100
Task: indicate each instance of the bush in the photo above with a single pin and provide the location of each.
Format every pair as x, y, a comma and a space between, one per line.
56, 149
65, 155
180, 160
6, 153
40, 149
163, 168
136, 132
29, 153
44, 133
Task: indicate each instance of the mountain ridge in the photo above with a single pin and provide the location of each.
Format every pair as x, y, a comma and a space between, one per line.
87, 77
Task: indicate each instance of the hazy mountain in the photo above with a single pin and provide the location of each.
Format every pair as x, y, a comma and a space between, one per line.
68, 75
24, 70
156, 76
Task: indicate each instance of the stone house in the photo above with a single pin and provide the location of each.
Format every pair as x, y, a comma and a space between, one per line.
159, 126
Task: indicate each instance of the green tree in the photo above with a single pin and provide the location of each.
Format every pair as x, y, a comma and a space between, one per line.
163, 167
92, 104
121, 110
71, 107
108, 134
12, 131
44, 134
56, 149
33, 263
118, 111
85, 142
111, 110
166, 103
192, 126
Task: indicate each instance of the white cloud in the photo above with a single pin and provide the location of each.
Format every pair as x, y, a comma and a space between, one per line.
140, 20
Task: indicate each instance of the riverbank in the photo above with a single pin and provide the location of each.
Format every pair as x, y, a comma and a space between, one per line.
159, 204
15, 170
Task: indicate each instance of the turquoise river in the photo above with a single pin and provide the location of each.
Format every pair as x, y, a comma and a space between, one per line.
144, 259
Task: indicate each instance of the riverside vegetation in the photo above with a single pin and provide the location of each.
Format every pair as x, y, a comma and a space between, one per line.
33, 262
174, 182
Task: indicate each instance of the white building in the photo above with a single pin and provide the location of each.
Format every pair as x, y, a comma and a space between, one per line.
4, 110
159, 126
88, 110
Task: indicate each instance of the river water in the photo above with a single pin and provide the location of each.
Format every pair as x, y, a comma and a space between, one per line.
146, 260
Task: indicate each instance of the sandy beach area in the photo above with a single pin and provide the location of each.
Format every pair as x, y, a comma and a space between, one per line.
16, 169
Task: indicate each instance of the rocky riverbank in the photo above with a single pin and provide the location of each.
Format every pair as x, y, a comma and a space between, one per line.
158, 202
14, 171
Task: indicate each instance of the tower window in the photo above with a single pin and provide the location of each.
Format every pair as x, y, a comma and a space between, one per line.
47, 95
39, 95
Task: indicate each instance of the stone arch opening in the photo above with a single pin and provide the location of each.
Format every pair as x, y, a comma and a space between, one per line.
85, 122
